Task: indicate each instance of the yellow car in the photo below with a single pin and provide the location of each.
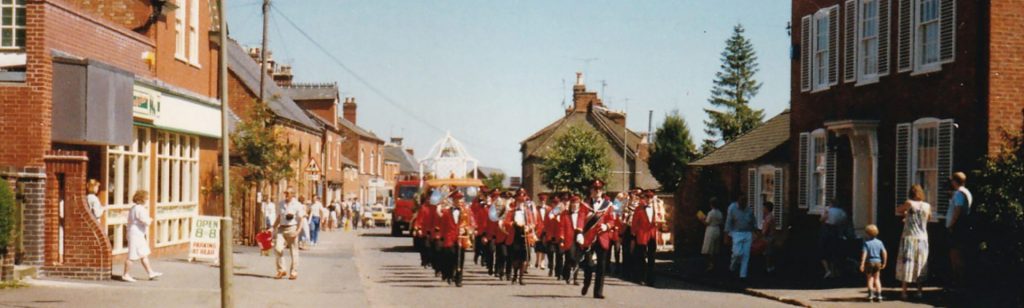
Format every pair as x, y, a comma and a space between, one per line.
380, 216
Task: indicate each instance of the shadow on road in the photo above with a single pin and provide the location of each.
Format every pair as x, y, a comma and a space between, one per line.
399, 249
254, 275
545, 296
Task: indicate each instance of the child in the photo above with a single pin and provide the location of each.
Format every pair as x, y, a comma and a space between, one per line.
874, 255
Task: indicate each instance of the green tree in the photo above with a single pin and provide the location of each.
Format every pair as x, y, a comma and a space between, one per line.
574, 161
734, 87
263, 154
495, 180
673, 150
998, 218
6, 215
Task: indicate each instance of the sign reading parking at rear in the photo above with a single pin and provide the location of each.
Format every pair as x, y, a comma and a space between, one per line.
205, 243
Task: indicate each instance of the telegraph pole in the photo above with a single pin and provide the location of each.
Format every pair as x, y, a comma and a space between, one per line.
227, 263
625, 147
263, 48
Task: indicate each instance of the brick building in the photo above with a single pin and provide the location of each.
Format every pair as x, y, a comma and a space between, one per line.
399, 165
119, 91
320, 101
890, 93
587, 111
366, 150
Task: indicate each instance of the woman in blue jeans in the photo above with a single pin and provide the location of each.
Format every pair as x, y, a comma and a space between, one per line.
316, 214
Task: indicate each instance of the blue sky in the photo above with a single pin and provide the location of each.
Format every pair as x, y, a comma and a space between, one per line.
492, 72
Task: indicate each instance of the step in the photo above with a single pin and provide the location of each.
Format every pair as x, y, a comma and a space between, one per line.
23, 271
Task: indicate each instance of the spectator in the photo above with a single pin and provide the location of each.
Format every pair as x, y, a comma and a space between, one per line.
315, 217
291, 216
269, 213
960, 207
138, 243
712, 234
832, 219
739, 223
356, 214
304, 227
332, 215
96, 207
913, 257
768, 234
874, 256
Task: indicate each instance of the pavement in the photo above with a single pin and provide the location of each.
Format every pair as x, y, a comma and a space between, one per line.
369, 268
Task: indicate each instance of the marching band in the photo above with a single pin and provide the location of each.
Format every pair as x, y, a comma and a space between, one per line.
504, 230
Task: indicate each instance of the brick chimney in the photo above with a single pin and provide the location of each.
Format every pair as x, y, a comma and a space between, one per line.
349, 109
283, 75
644, 148
411, 152
396, 141
581, 99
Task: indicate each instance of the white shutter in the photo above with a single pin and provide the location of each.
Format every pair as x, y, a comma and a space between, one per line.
904, 53
947, 31
830, 175
883, 37
752, 188
850, 42
945, 164
805, 53
902, 183
833, 45
779, 206
803, 162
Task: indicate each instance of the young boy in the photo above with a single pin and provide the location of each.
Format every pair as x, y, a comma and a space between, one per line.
873, 254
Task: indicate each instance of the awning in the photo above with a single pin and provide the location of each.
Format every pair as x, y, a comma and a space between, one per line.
92, 102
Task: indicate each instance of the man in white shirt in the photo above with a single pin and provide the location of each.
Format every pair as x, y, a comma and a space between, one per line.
269, 213
290, 218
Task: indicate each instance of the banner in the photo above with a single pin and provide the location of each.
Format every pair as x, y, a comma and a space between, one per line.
205, 238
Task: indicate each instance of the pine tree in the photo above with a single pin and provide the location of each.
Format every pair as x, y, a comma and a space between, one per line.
673, 149
734, 88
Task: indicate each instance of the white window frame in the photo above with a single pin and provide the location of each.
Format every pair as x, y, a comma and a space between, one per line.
820, 54
179, 31
193, 33
17, 8
920, 41
763, 173
128, 170
362, 161
931, 191
817, 170
867, 57
178, 199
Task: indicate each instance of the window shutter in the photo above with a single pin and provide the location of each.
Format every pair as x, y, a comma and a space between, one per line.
833, 45
906, 37
805, 53
752, 188
780, 207
883, 37
945, 164
830, 175
902, 162
802, 163
947, 30
850, 42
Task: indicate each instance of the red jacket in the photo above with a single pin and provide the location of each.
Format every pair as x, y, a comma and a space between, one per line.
567, 230
479, 215
449, 230
643, 227
602, 237
550, 231
425, 218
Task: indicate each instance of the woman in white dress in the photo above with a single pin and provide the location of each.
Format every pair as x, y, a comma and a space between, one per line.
712, 235
138, 242
912, 261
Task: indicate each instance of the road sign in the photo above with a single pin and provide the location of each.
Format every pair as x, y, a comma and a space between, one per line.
205, 238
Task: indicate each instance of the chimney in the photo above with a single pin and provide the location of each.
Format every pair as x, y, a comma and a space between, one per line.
581, 99
349, 109
411, 152
283, 75
579, 87
644, 148
396, 141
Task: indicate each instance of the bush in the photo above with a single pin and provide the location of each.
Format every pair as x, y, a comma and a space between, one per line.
998, 220
6, 215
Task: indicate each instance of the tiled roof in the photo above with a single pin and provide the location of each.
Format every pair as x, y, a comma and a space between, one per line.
347, 162
488, 171
752, 145
248, 71
359, 130
303, 91
406, 163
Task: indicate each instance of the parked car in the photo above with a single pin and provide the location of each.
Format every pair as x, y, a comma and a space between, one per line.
381, 215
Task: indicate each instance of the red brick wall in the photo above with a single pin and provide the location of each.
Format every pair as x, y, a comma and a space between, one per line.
201, 79
86, 250
1006, 70
71, 30
126, 13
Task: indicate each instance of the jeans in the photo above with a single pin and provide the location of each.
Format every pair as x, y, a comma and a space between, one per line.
740, 251
314, 229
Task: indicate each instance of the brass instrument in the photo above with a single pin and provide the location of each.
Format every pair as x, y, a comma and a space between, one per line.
466, 229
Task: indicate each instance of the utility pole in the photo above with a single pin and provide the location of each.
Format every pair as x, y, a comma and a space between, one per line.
263, 48
625, 146
650, 121
227, 263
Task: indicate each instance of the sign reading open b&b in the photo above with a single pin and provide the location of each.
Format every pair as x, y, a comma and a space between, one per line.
205, 238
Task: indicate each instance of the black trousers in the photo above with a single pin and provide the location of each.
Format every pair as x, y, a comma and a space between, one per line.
554, 258
628, 255
645, 255
501, 260
437, 258
488, 251
420, 245
570, 261
478, 249
595, 270
456, 260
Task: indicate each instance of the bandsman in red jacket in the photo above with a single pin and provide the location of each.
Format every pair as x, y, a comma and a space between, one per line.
456, 226
517, 224
571, 227
502, 238
479, 211
551, 235
539, 245
599, 234
645, 231
421, 230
